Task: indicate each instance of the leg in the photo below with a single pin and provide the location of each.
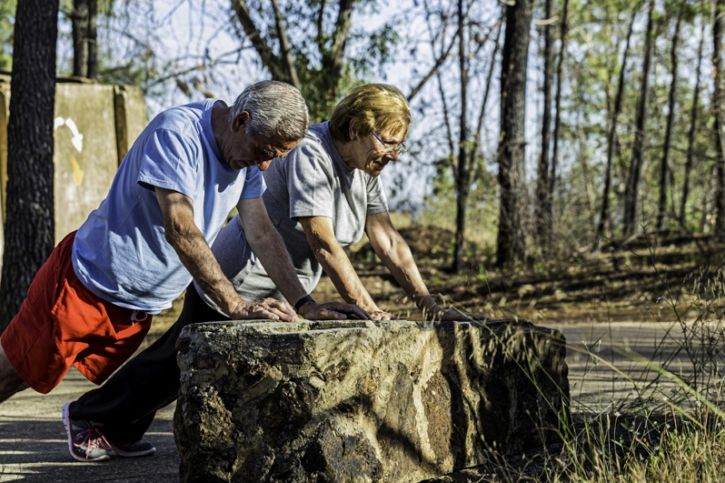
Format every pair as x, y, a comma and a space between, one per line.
10, 381
39, 343
126, 404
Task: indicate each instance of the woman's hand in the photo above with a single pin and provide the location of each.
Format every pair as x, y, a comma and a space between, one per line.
432, 311
437, 313
380, 315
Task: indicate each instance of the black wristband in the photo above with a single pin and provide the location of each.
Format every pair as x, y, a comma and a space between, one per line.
306, 299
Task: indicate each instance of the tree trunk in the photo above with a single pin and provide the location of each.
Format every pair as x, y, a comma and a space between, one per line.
29, 227
563, 28
612, 138
543, 203
92, 40
664, 166
719, 107
635, 168
691, 134
462, 172
278, 65
79, 17
510, 243
706, 191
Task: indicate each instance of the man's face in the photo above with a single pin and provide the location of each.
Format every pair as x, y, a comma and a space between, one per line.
243, 150
256, 150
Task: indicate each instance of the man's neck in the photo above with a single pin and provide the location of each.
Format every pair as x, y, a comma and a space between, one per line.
219, 121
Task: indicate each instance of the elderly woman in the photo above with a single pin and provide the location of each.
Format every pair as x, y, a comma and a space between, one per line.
321, 198
326, 195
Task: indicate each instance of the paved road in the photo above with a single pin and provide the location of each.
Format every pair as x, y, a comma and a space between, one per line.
604, 373
33, 445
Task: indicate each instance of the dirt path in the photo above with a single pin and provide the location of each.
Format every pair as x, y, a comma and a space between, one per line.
33, 444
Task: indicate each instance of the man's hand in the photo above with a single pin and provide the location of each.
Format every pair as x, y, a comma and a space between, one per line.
264, 309
333, 311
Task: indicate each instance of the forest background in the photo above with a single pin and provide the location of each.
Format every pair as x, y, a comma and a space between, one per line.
566, 162
609, 129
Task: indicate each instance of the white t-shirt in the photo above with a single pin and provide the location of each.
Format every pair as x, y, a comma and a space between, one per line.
120, 253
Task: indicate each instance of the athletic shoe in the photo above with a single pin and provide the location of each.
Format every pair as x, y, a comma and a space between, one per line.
85, 441
133, 450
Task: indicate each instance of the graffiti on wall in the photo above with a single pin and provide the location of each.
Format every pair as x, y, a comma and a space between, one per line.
77, 142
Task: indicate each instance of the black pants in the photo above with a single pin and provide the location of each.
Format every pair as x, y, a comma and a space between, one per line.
127, 403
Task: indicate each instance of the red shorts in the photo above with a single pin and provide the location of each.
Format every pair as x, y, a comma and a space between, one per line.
61, 323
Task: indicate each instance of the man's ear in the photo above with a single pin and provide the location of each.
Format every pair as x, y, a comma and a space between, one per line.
241, 120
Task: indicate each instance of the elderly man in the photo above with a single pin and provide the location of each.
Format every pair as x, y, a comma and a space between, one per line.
92, 302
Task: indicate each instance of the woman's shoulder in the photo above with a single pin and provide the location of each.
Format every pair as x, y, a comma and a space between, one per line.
311, 149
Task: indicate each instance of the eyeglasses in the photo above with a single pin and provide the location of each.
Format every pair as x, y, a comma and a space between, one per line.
390, 147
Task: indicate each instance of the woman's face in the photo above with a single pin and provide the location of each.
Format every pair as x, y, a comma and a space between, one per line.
373, 152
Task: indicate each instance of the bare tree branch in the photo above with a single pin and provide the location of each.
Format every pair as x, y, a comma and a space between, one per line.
199, 66
287, 59
434, 68
446, 116
482, 111
342, 30
269, 58
320, 26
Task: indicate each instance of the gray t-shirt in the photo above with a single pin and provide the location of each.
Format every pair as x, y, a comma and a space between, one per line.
312, 180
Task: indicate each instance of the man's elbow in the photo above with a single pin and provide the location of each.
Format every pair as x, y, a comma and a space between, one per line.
263, 238
176, 232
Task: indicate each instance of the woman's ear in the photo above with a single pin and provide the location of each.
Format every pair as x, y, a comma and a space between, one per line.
352, 130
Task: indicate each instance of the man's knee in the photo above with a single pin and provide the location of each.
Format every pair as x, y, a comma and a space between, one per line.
10, 381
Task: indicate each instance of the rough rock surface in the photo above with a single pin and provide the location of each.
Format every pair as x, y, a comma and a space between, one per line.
363, 401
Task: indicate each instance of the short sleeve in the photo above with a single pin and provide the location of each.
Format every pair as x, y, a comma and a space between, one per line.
254, 185
169, 160
310, 182
377, 203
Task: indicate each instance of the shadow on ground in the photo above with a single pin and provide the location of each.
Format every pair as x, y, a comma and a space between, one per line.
32, 450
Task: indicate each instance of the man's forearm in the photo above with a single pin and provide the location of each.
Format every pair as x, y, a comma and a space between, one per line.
197, 257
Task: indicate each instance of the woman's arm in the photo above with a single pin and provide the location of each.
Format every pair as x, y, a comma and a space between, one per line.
326, 249
395, 253
266, 242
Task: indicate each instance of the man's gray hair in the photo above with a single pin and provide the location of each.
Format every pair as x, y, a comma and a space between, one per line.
276, 109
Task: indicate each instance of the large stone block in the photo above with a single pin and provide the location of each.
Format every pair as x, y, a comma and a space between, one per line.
94, 125
363, 401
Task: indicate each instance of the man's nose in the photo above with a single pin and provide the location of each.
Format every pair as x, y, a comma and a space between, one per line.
264, 165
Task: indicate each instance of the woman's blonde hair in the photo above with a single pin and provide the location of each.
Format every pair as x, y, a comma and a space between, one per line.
371, 107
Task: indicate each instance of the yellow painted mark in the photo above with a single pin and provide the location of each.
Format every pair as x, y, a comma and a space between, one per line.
77, 172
